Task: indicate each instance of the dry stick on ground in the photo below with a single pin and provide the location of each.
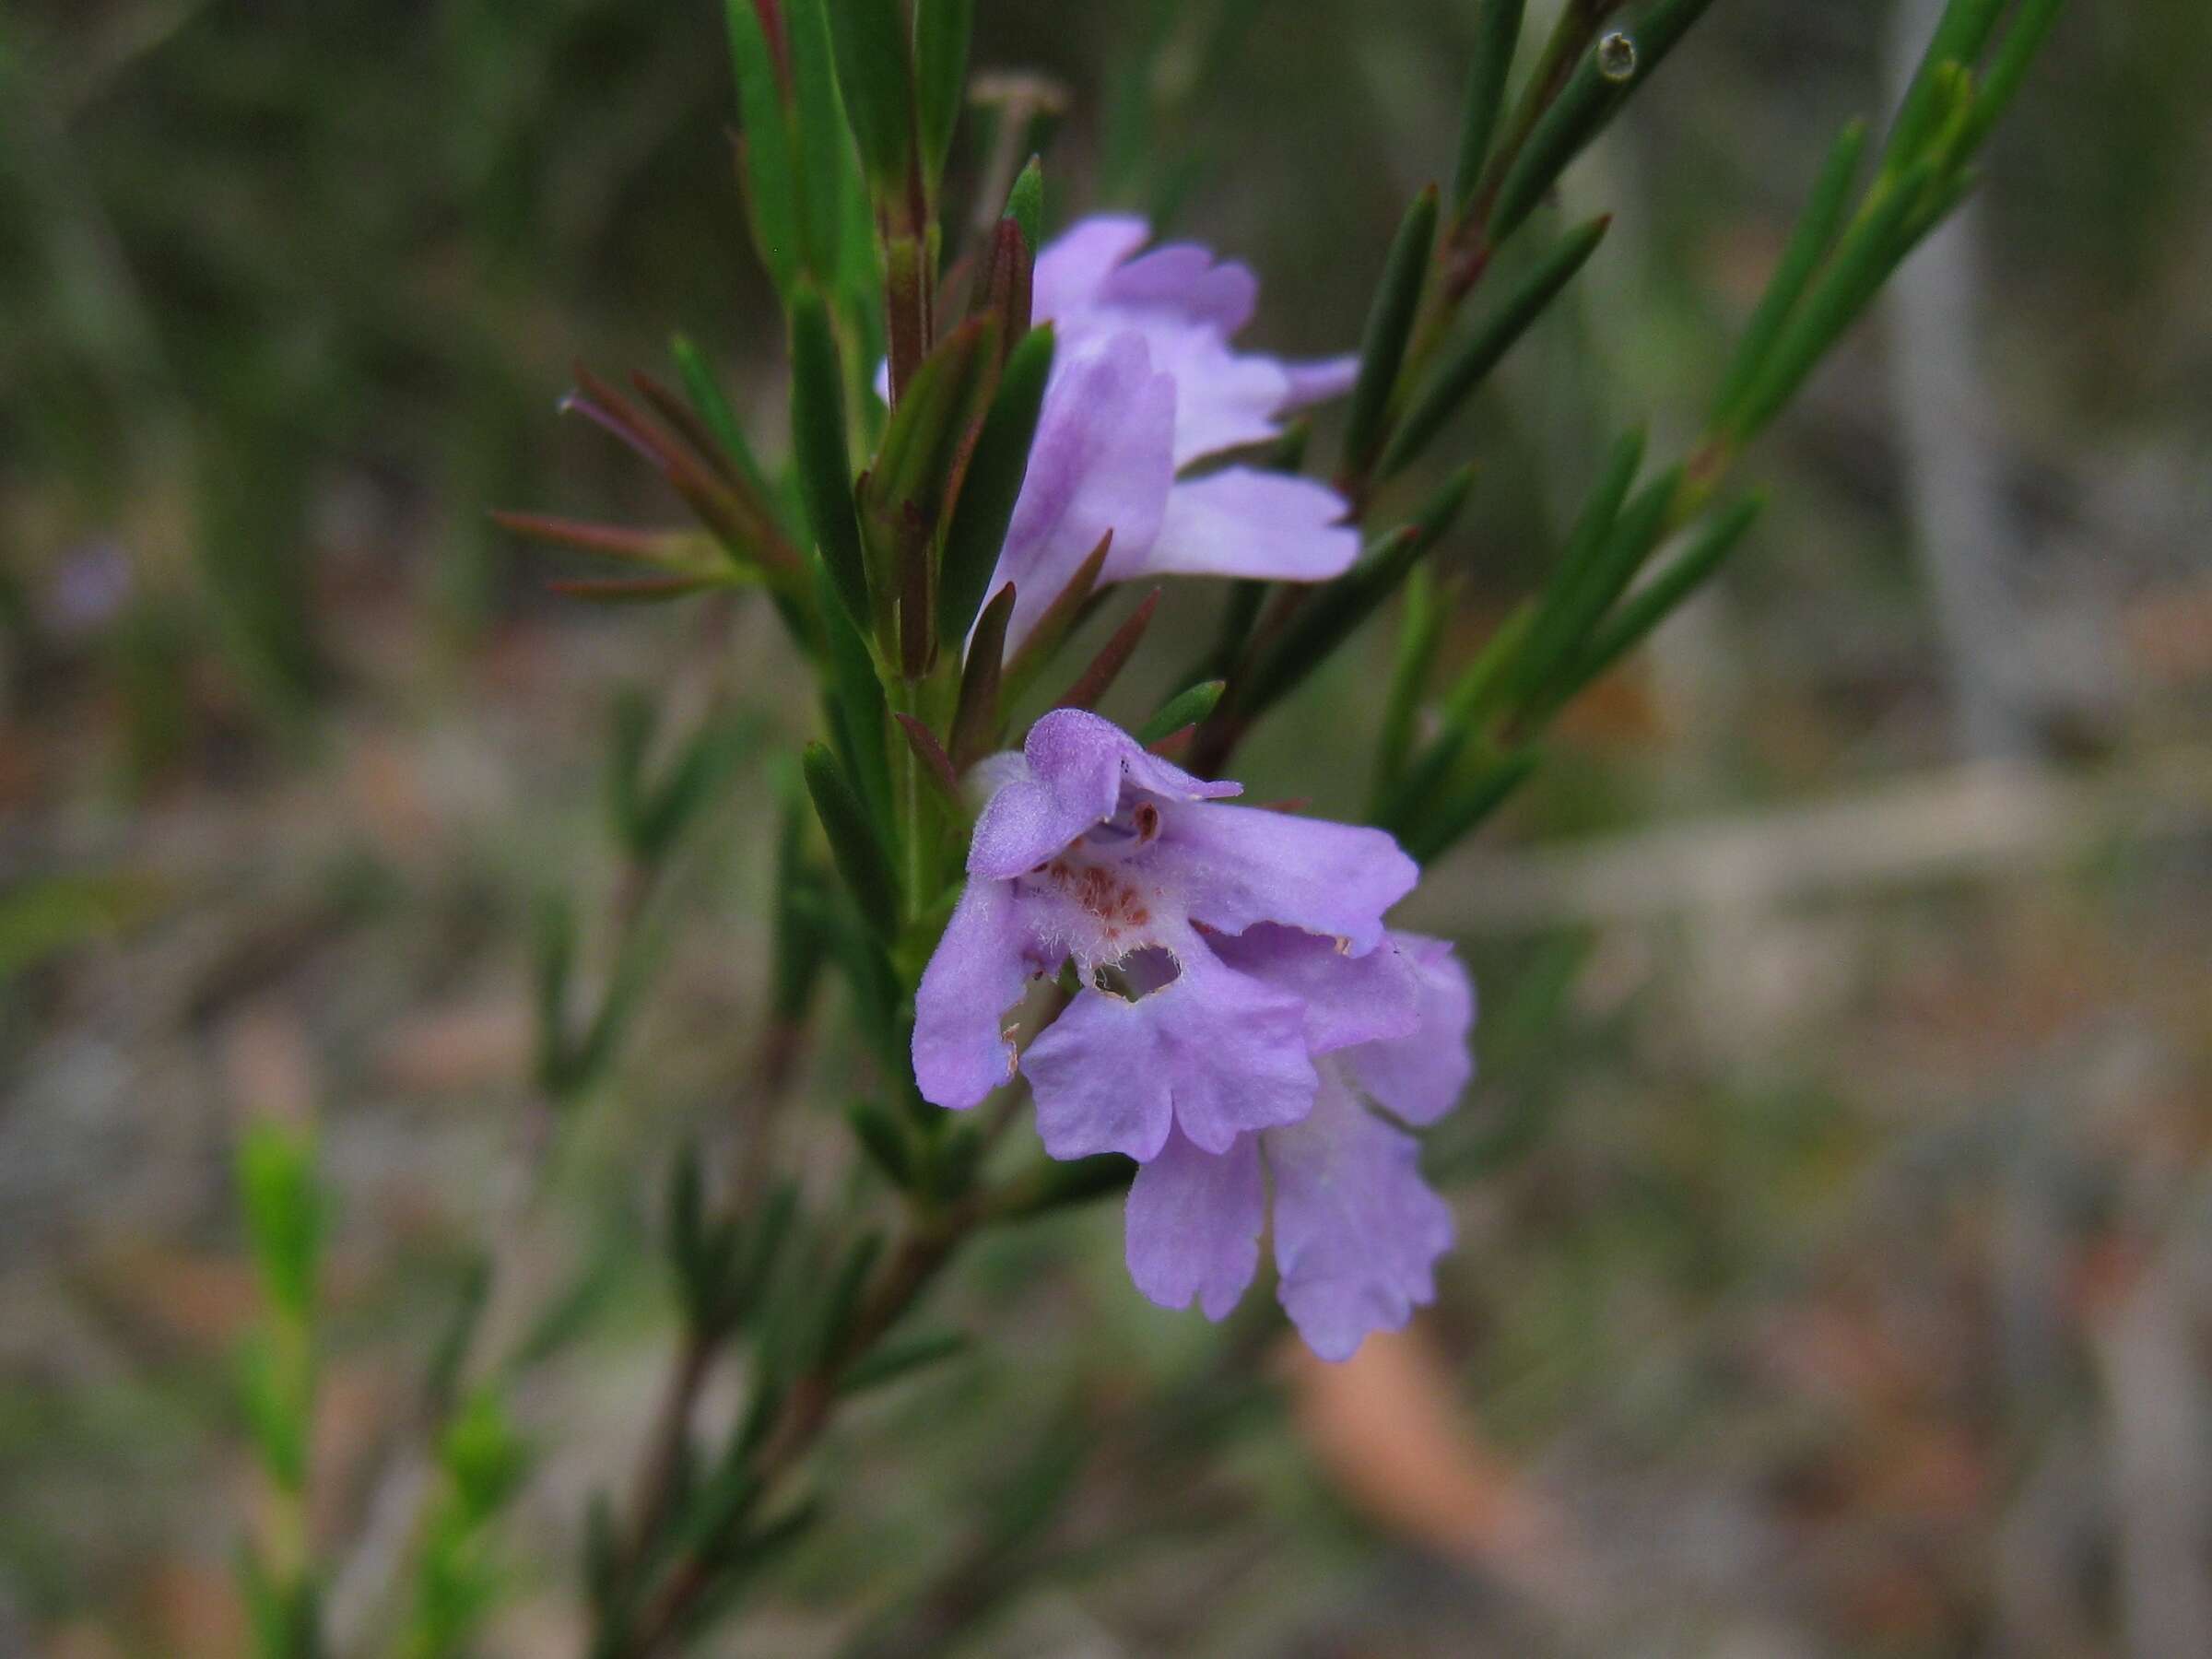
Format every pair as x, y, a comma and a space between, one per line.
1985, 819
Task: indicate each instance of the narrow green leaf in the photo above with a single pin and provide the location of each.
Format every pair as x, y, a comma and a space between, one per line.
748, 1557
1240, 610
941, 30
1581, 565
828, 182
275, 1394
1458, 817
764, 1238
1052, 627
688, 786
884, 1141
1658, 598
1870, 249
1580, 112
1388, 323
635, 590
443, 1371
936, 765
1327, 620
2023, 43
706, 397
913, 475
631, 724
856, 709
765, 158
843, 1297
1098, 678
875, 69
1465, 712
859, 855
1186, 708
552, 957
991, 484
1634, 536
1808, 244
1025, 203
703, 441
284, 1212
1961, 33
798, 950
1497, 33
918, 472
1005, 289
858, 283
686, 1213
1456, 378
1419, 634
685, 551
1331, 612
975, 726
825, 465
889, 1362
741, 524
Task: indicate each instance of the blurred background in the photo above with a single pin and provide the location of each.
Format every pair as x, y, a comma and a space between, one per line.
1836, 1198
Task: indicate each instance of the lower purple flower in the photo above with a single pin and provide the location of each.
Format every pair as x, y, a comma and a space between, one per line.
1357, 1230
1239, 1002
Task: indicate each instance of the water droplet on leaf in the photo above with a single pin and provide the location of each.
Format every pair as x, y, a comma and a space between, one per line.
1616, 55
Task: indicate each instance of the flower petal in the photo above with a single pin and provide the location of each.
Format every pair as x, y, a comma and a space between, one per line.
960, 1049
1349, 999
1241, 522
1317, 380
1421, 1074
1357, 1230
1224, 399
1073, 266
1099, 1081
1240, 866
1071, 780
1070, 776
1102, 459
1164, 778
1213, 1052
1184, 280
1193, 1224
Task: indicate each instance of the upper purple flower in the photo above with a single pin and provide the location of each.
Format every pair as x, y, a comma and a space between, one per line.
1144, 384
1092, 850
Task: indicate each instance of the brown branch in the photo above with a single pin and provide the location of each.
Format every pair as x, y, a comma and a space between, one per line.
806, 1412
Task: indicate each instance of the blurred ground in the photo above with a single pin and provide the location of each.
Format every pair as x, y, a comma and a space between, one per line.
1836, 1273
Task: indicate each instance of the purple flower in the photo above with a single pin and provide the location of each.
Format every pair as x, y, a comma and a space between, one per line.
1243, 1012
1144, 384
1093, 850
1357, 1230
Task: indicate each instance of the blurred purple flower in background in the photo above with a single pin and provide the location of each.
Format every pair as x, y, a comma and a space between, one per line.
1239, 993
1144, 384
88, 590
